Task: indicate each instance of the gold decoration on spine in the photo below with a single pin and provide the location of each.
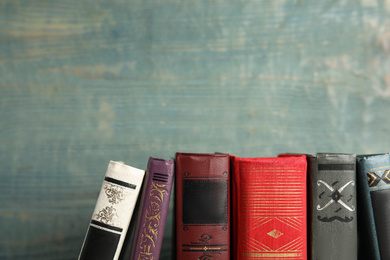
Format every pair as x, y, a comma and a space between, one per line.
275, 233
152, 221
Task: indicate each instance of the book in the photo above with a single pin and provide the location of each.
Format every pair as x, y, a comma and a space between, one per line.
374, 195
113, 211
153, 211
332, 206
202, 201
269, 208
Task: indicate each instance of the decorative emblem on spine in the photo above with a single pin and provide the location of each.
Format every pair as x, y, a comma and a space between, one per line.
205, 238
107, 215
206, 257
374, 179
336, 195
336, 198
152, 222
115, 194
325, 219
203, 245
275, 233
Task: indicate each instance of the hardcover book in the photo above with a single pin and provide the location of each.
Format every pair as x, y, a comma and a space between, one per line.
153, 210
269, 207
202, 206
332, 206
113, 212
374, 218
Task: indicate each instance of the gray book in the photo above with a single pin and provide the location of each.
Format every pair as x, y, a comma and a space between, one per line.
332, 207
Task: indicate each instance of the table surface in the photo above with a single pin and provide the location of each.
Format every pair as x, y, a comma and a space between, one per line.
85, 82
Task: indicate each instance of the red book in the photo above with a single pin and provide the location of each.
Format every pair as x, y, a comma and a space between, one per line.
202, 206
269, 208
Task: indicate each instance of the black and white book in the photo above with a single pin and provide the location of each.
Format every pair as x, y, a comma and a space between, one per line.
113, 212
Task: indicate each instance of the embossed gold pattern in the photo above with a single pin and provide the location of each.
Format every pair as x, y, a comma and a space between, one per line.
275, 233
274, 211
205, 248
152, 221
272, 255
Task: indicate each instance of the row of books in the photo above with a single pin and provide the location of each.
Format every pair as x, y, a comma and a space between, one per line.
294, 206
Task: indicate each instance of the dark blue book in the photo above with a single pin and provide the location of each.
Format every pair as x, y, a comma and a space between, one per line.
373, 172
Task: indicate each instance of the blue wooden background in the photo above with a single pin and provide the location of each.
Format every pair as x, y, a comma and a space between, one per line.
84, 82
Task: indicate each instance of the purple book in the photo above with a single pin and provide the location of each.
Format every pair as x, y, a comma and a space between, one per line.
153, 210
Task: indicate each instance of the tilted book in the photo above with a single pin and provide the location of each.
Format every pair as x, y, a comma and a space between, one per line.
202, 204
153, 210
332, 206
374, 218
269, 207
113, 211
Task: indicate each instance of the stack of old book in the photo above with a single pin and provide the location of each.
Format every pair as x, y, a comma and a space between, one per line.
294, 206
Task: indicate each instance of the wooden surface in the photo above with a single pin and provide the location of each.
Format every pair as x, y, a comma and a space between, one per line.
84, 82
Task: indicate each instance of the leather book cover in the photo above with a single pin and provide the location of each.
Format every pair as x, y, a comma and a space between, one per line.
332, 206
113, 211
202, 201
269, 210
374, 221
153, 210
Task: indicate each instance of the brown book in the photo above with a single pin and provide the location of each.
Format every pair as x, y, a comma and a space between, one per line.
202, 206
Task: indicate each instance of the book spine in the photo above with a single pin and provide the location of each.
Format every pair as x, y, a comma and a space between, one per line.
269, 208
202, 206
374, 171
113, 211
333, 206
153, 210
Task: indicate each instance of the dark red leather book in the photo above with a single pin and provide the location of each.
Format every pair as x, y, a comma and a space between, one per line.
269, 208
202, 206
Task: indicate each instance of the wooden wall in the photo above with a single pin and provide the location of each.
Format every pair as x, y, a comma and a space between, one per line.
85, 82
